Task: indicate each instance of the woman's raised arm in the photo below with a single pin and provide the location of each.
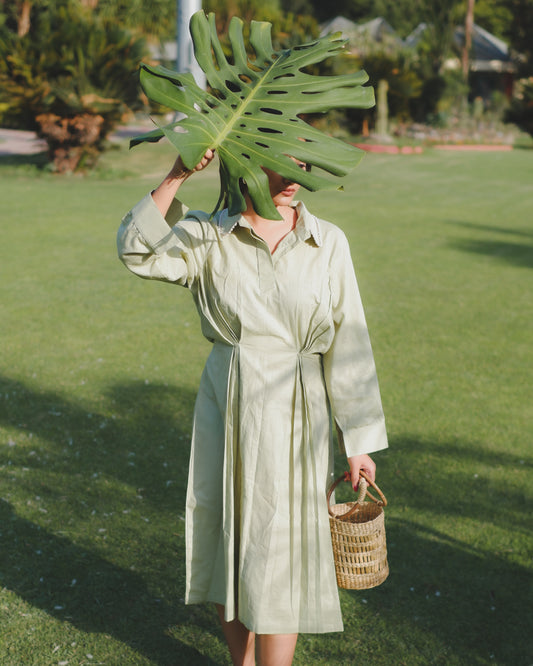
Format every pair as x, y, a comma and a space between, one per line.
164, 195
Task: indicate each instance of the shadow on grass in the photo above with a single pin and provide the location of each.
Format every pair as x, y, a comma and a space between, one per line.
139, 428
443, 603
474, 601
515, 253
37, 160
458, 591
444, 598
144, 445
79, 587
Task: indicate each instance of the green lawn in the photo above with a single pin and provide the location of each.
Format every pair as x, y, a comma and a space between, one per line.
97, 385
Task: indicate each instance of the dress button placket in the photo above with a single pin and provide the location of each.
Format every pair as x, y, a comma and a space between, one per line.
265, 267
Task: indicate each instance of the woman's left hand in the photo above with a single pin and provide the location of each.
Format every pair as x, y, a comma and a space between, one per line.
363, 462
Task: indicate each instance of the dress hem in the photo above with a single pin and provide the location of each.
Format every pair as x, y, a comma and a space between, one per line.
335, 627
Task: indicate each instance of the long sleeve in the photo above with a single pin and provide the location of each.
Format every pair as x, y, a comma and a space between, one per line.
156, 248
349, 368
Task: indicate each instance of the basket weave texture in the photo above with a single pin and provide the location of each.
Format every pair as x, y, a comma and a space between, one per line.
358, 539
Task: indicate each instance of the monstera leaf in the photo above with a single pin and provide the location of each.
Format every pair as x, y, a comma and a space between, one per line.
251, 113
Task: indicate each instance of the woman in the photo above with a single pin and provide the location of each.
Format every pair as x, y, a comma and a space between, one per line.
280, 303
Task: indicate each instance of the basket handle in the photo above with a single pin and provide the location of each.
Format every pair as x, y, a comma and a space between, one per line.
364, 482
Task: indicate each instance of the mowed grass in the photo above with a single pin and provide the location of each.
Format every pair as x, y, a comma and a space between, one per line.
98, 378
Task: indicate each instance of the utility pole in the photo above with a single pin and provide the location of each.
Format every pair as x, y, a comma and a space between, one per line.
185, 60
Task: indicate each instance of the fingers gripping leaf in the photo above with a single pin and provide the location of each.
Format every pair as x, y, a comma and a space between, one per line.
251, 114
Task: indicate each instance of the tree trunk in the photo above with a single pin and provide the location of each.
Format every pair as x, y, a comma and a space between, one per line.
469, 24
24, 24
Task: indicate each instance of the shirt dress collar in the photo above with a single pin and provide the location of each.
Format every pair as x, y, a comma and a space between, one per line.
307, 225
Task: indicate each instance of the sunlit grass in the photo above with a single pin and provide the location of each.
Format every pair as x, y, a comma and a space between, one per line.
98, 378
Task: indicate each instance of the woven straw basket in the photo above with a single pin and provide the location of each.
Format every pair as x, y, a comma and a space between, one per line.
358, 537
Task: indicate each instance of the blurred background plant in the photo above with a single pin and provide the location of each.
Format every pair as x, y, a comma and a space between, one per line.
68, 74
521, 110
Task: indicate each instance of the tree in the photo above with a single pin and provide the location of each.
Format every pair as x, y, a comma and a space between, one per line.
247, 10
350, 9
289, 28
156, 19
520, 30
495, 17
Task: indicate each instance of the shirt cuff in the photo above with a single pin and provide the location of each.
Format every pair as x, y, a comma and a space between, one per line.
153, 227
366, 439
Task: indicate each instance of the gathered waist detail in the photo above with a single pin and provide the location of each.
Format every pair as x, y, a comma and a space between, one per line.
270, 345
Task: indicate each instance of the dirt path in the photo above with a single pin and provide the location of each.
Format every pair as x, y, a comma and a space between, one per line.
21, 142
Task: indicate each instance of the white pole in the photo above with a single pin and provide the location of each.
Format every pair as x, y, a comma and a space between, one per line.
185, 61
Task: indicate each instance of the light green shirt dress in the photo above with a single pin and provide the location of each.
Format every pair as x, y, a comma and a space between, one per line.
290, 348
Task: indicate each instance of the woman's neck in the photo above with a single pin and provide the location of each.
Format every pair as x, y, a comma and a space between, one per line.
287, 213
272, 231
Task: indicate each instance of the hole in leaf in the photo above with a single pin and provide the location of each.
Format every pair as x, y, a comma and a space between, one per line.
278, 92
244, 78
242, 125
284, 76
245, 155
218, 93
263, 145
302, 47
233, 106
233, 86
275, 112
269, 130
248, 113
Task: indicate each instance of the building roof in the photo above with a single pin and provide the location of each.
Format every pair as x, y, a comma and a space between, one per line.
489, 53
362, 35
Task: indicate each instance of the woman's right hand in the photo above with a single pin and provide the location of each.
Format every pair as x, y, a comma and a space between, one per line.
165, 193
179, 170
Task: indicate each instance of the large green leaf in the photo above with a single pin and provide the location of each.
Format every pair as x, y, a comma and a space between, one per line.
252, 113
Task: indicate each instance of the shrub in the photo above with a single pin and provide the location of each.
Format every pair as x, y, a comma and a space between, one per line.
71, 78
521, 109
